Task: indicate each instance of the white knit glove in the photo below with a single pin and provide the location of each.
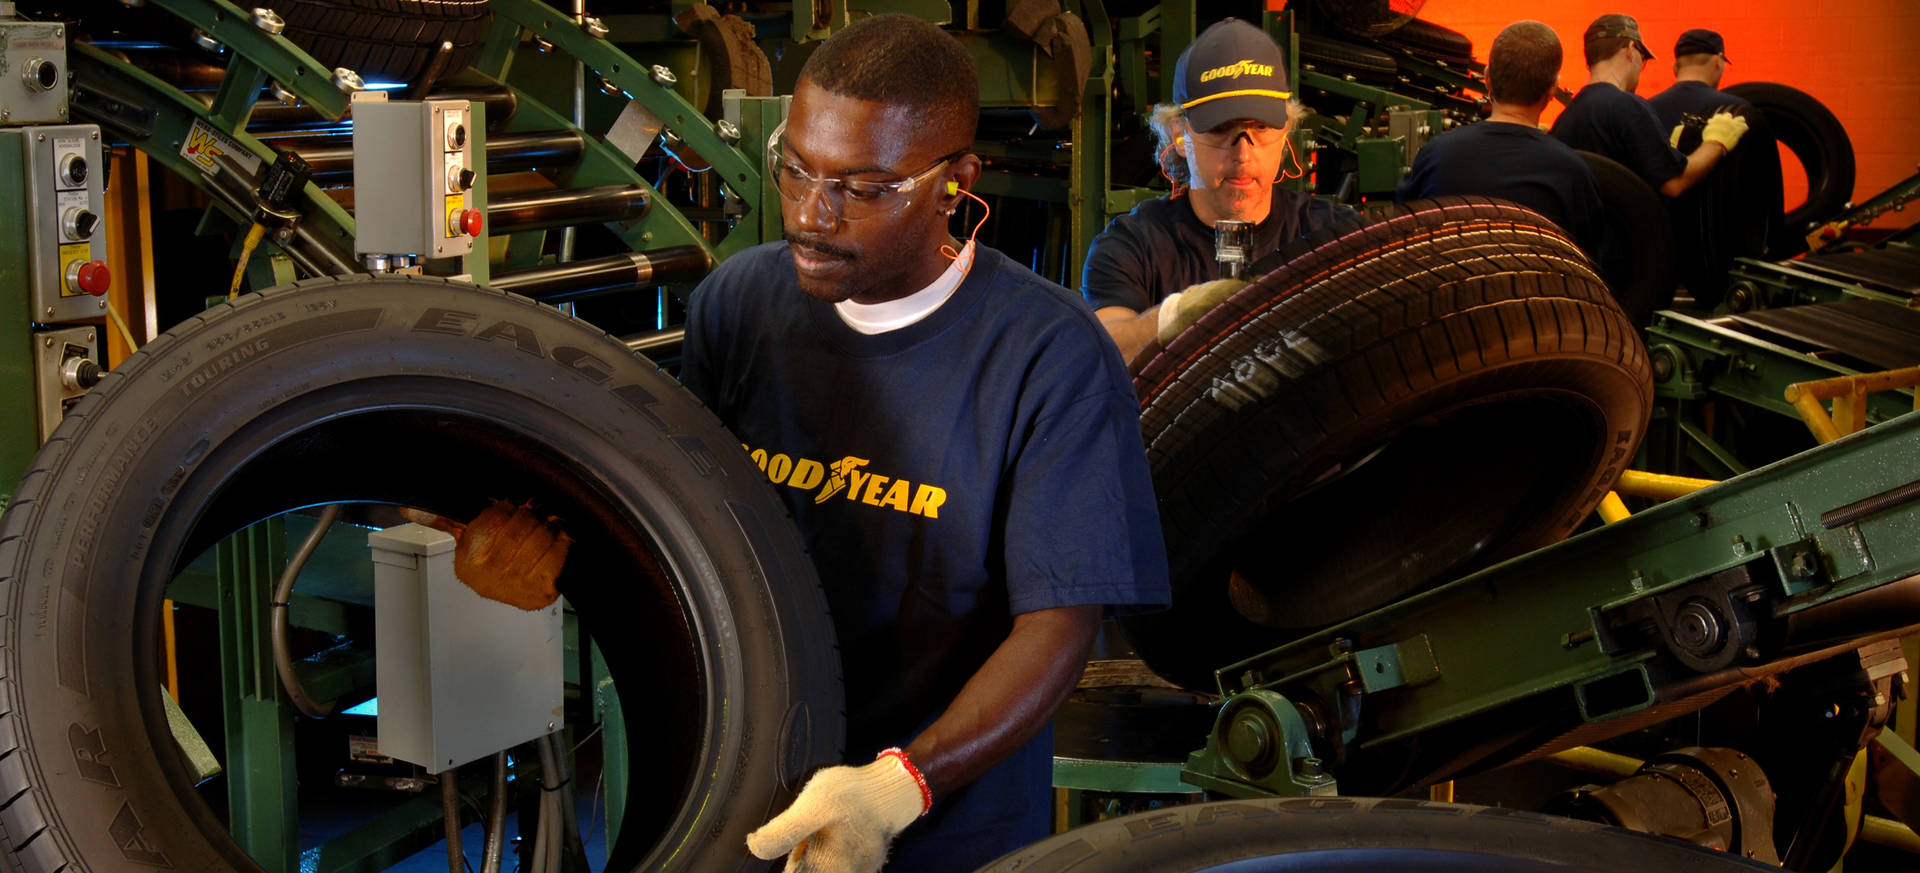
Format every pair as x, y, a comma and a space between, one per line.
1179, 310
1724, 128
846, 817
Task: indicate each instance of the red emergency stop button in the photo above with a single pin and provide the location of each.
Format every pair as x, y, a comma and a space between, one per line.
93, 277
470, 222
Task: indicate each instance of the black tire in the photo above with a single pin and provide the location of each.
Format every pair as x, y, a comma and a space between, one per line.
1808, 129
1335, 57
386, 40
1404, 403
1424, 38
1340, 834
1640, 266
413, 392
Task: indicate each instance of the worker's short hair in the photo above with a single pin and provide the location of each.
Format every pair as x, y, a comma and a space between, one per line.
1523, 64
1601, 49
902, 60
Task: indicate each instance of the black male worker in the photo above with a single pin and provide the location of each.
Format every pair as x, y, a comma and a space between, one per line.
976, 492
1608, 118
1153, 271
1739, 212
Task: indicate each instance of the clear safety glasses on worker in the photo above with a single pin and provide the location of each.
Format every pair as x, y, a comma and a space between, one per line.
1226, 135
847, 199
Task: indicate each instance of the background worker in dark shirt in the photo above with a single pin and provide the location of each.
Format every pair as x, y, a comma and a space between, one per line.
1507, 155
1606, 117
1699, 60
1739, 210
1222, 144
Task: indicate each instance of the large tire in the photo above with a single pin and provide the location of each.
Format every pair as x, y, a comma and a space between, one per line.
1341, 834
1424, 38
1640, 267
1403, 403
385, 40
1336, 57
1808, 129
419, 392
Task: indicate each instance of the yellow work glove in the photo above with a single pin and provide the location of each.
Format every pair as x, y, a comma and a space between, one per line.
1182, 308
1673, 139
845, 818
1724, 128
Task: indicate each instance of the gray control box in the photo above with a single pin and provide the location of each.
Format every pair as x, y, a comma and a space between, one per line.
460, 676
413, 175
66, 242
33, 72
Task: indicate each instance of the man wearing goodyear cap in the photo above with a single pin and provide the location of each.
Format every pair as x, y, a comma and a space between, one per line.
1153, 271
1606, 117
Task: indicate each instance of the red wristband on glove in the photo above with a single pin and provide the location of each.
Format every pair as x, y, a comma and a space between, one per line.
926, 794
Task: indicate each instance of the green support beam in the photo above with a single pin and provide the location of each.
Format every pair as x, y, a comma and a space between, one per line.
19, 408
1811, 530
1730, 364
262, 790
266, 55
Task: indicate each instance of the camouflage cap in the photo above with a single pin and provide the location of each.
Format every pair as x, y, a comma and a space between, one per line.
1617, 26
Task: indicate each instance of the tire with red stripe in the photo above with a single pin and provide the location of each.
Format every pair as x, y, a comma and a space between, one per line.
1398, 405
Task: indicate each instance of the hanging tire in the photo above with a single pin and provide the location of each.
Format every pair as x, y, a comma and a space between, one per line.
1335, 57
385, 40
1808, 129
685, 569
1641, 267
1421, 37
1402, 404
1361, 835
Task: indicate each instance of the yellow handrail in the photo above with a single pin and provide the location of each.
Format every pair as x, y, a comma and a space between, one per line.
1849, 396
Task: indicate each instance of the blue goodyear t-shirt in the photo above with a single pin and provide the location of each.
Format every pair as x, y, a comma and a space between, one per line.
983, 462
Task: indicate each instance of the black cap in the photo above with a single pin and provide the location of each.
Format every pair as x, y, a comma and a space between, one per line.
1233, 70
1614, 26
1700, 42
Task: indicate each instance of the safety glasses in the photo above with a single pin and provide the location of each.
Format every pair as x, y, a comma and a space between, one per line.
847, 199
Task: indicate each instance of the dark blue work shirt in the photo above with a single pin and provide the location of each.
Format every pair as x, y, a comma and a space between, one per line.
1519, 163
1608, 121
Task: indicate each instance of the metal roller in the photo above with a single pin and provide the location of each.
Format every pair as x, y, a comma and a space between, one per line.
559, 208
331, 155
658, 345
558, 283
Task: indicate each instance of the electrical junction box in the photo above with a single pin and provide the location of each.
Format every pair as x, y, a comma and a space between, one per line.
66, 362
61, 167
413, 176
459, 676
33, 72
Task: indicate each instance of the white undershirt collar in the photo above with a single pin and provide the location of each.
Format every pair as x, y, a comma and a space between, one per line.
873, 318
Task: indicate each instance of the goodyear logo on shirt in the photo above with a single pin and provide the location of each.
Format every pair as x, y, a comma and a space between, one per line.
849, 479
1237, 69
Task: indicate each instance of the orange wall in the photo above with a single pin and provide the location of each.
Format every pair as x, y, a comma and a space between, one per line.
1859, 57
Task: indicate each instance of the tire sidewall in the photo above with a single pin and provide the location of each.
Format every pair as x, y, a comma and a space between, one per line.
88, 512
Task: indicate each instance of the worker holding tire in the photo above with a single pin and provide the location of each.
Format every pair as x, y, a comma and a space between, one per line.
1223, 143
1609, 119
957, 443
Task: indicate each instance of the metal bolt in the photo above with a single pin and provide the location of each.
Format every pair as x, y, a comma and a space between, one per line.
595, 28
269, 20
285, 96
1638, 581
4, 114
49, 312
89, 337
283, 234
663, 76
1311, 767
1802, 566
348, 81
103, 304
608, 88
1739, 544
541, 45
48, 342
203, 40
729, 132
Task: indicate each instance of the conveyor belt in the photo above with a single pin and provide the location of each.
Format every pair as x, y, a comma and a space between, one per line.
1879, 334
1895, 270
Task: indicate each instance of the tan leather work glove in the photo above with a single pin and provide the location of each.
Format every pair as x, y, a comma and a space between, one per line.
846, 817
507, 553
1182, 308
1724, 128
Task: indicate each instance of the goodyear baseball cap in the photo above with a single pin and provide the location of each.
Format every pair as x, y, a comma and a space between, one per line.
1700, 42
1616, 25
1233, 70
